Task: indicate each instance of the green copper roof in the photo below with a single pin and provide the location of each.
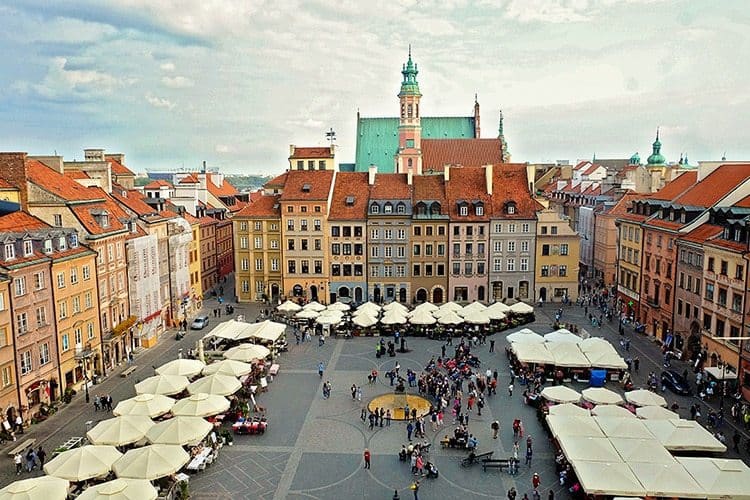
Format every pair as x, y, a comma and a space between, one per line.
377, 138
409, 85
656, 157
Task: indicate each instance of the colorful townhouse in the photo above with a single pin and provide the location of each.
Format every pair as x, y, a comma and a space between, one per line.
429, 225
9, 397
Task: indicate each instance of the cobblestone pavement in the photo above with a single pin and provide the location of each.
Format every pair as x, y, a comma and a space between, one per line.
313, 447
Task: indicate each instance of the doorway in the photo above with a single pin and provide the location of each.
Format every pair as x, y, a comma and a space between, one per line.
402, 295
497, 291
480, 293
313, 293
437, 296
358, 295
421, 295
543, 294
376, 294
275, 293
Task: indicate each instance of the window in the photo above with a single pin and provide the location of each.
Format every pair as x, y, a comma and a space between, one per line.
375, 252
498, 228
258, 241
709, 291
388, 208
10, 251
20, 285
724, 268
388, 233
87, 300
388, 252
258, 264
336, 249
401, 208
468, 268
358, 269
73, 240
290, 225
440, 270
416, 271
525, 247
274, 244
469, 249
44, 354
387, 271
463, 210
428, 249
457, 249
511, 264
739, 272
245, 286
498, 246
417, 250
58, 220
497, 265
76, 305
511, 246
401, 234
553, 229
456, 231
417, 231
347, 269
359, 249
303, 244
291, 266
28, 248
374, 208
290, 244
374, 271
62, 307
335, 269
456, 268
22, 323
525, 227
335, 231
737, 302
243, 242
65, 342
26, 362
244, 264
441, 249
86, 273
545, 249
41, 316
479, 210
722, 297
2, 301
562, 270
60, 280
73, 275
48, 246
290, 209
441, 231
318, 266
317, 224
511, 208
710, 264
274, 264
469, 230
257, 225
90, 330
524, 264
303, 225
545, 271
511, 228
480, 268
544, 229
305, 267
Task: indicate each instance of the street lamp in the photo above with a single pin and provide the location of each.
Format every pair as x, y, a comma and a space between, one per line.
82, 364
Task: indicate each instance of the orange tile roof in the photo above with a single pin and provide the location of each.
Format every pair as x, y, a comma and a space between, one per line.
510, 183
20, 221
277, 181
206, 220
657, 223
225, 190
6, 185
468, 184
676, 187
436, 153
189, 179
591, 169
390, 187
734, 246
318, 181
263, 206
190, 217
315, 152
76, 174
157, 184
430, 187
625, 203
133, 200
118, 168
354, 185
743, 203
58, 184
85, 214
715, 186
702, 233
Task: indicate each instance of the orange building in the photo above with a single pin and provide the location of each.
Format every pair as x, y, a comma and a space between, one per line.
8, 389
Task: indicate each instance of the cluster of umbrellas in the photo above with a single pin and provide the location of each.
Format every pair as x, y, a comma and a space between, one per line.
395, 313
565, 349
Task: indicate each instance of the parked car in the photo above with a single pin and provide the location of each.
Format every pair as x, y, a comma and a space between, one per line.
199, 323
675, 382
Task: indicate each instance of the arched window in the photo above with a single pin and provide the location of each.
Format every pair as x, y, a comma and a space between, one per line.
374, 208
435, 209
388, 208
409, 110
410, 162
400, 208
403, 111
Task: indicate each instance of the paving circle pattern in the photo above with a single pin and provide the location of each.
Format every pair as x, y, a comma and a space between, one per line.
396, 402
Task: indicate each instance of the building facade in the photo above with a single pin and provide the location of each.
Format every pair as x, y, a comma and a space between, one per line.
257, 243
429, 224
9, 402
557, 258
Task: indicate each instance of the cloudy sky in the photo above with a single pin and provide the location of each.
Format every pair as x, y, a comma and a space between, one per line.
174, 82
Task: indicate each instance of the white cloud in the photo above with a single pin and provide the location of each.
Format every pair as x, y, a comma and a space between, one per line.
177, 82
548, 11
167, 66
223, 148
159, 102
309, 123
60, 81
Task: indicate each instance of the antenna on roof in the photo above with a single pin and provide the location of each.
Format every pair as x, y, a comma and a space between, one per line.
331, 136
724, 156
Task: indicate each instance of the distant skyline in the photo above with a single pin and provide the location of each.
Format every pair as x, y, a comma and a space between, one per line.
171, 84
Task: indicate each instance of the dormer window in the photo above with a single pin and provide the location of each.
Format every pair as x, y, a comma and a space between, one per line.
73, 240
435, 209
306, 188
510, 208
349, 201
375, 208
10, 251
62, 243
401, 208
463, 210
48, 246
682, 217
737, 234
28, 248
388, 208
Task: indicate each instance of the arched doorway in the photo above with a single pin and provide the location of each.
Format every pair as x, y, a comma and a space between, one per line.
421, 295
497, 291
344, 292
376, 294
313, 292
298, 291
402, 295
274, 292
543, 294
437, 296
480, 293
358, 295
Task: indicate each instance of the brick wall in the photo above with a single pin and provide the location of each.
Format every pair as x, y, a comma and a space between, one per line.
13, 170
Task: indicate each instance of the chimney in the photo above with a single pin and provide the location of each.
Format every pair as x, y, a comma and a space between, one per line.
409, 175
203, 170
372, 170
292, 147
118, 157
488, 178
447, 173
93, 154
14, 170
53, 162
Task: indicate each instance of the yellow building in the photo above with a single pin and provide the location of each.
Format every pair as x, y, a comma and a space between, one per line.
194, 261
557, 258
8, 390
315, 158
74, 290
629, 253
257, 250
305, 202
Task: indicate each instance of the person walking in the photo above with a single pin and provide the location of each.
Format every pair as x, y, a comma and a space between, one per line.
415, 488
18, 460
510, 389
529, 454
492, 345
409, 430
359, 393
535, 480
354, 392
41, 455
367, 458
321, 367
495, 426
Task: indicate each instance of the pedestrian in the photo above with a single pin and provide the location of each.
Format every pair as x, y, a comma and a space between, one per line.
19, 424
535, 480
321, 366
321, 340
109, 402
30, 460
510, 389
41, 455
636, 363
415, 489
359, 393
529, 453
367, 458
551, 495
492, 345
18, 460
354, 392
409, 430
363, 414
97, 402
382, 416
512, 494
388, 417
406, 412
495, 426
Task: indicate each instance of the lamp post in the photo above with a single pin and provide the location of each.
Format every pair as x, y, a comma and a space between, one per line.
85, 379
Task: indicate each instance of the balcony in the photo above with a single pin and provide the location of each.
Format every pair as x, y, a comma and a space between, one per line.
652, 301
84, 352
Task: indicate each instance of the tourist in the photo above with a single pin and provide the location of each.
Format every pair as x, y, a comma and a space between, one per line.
18, 460
415, 489
321, 367
41, 455
535, 480
512, 494
388, 417
367, 458
409, 430
495, 426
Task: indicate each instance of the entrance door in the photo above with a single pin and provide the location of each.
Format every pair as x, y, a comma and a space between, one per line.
510, 292
274, 293
314, 293
333, 298
421, 295
543, 294
480, 293
358, 295
344, 292
402, 295
376, 295
437, 296
497, 291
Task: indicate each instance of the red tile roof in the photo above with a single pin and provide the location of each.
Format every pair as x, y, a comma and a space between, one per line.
76, 174
85, 213
510, 183
133, 200
189, 179
118, 168
468, 184
390, 187
277, 181
190, 217
318, 182
349, 186
225, 190
5, 185
436, 153
734, 246
315, 152
430, 187
625, 203
676, 187
743, 203
157, 184
702, 233
20, 221
591, 169
263, 206
715, 186
206, 220
58, 184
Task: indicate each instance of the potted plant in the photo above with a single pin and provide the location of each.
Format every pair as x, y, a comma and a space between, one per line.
227, 437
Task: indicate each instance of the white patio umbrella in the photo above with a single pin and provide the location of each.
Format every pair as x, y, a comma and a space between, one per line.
560, 394
393, 317
422, 317
525, 336
474, 306
180, 430
149, 405
228, 367
307, 314
339, 306
315, 306
330, 318
151, 462
655, 413
86, 462
119, 431
642, 397
595, 344
428, 306
162, 384
201, 404
182, 366
373, 307
477, 317
612, 411
289, 307
601, 396
247, 352
563, 335
263, 330
569, 410
395, 305
120, 489
499, 307
451, 306
495, 314
365, 320
223, 385
36, 488
451, 318
521, 308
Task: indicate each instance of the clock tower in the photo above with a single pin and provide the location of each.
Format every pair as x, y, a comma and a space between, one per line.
409, 156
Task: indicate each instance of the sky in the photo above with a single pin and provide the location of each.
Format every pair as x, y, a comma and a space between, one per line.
171, 83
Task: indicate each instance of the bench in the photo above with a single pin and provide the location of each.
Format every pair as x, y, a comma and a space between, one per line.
475, 459
500, 463
128, 371
22, 447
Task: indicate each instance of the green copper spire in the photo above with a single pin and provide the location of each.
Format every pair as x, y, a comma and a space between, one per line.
500, 132
409, 85
656, 157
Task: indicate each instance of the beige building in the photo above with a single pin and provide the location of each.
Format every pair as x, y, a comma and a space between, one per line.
8, 378
557, 258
